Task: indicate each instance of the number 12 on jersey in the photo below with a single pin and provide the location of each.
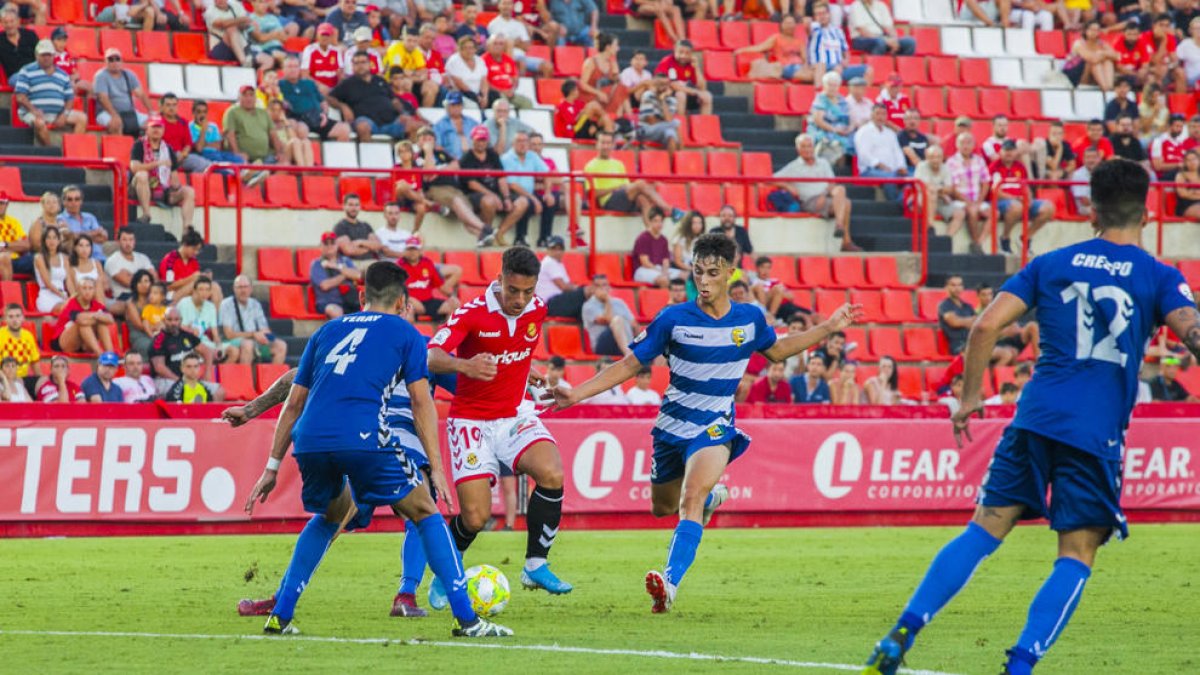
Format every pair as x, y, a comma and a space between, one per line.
1085, 319
343, 352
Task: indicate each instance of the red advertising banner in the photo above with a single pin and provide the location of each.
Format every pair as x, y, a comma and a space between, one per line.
197, 471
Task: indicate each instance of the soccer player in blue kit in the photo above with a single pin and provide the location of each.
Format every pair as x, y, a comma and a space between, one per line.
1098, 302
352, 365
708, 344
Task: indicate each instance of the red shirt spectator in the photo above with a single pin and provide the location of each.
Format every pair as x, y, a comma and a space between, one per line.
501, 73
566, 115
48, 392
173, 267
423, 278
677, 72
1134, 56
1148, 44
762, 392
177, 135
1103, 146
70, 311
324, 66
1007, 179
65, 62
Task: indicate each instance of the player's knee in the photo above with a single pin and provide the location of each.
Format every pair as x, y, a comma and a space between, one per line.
474, 519
661, 510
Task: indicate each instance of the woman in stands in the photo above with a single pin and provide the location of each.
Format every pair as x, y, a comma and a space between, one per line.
1092, 59
467, 73
12, 388
408, 189
1187, 199
600, 78
1152, 113
51, 207
291, 137
829, 120
884, 388
139, 287
786, 59
55, 285
84, 266
667, 14
844, 389
691, 226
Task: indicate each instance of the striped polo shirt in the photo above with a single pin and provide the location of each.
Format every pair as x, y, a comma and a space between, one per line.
827, 45
49, 93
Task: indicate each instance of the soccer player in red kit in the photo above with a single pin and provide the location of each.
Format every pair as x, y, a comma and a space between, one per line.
494, 337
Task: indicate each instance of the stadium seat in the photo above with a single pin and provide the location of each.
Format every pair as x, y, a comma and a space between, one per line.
882, 66
340, 154
928, 300
964, 101
770, 98
757, 164
707, 199
689, 163
1050, 43
233, 78
10, 292
931, 101
119, 39
655, 162
800, 98
1007, 73
1191, 272
862, 350
704, 35
568, 61
872, 305
933, 376
883, 273
376, 156
320, 192
723, 164
549, 91
289, 302
650, 303
735, 34
886, 342
815, 272
216, 195
80, 146
237, 381
190, 48
720, 66
203, 82
490, 264
975, 72
155, 47
469, 262
912, 70
943, 71
282, 190
265, 374
909, 382
994, 102
357, 185
898, 306
829, 300
610, 264
116, 147
706, 130
304, 260
848, 272
929, 40
920, 344
81, 43
278, 264
576, 264
567, 342
761, 30
783, 269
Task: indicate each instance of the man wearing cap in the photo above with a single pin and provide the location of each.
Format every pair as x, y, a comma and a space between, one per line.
579, 21
15, 256
520, 159
1166, 387
896, 101
490, 195
347, 19
879, 153
152, 163
334, 280
18, 44
1008, 178
686, 79
44, 95
68, 63
859, 103
423, 280
367, 99
267, 33
453, 132
99, 387
227, 24
248, 129
322, 60
1166, 152
117, 89
873, 31
362, 43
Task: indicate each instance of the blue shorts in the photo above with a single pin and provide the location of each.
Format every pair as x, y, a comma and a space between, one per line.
670, 459
1005, 204
393, 129
362, 519
849, 72
377, 478
789, 71
1085, 489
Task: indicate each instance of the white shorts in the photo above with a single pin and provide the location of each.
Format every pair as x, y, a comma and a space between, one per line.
478, 446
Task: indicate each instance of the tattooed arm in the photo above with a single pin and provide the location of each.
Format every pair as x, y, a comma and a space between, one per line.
276, 394
1185, 322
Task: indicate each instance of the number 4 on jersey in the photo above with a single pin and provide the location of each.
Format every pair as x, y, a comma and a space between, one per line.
1106, 349
343, 353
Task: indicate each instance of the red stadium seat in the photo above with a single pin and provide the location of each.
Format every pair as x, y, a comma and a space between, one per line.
882, 272
770, 98
304, 260
898, 306
757, 164
862, 351
119, 39
190, 48
320, 192
155, 47
920, 344
469, 262
490, 263
1191, 272
568, 61
357, 185
80, 146
975, 72
265, 374
278, 264
689, 163
1027, 104
116, 147
882, 66
912, 70
651, 301
943, 71
931, 101
720, 66
872, 304
1050, 42
815, 272
706, 130
707, 199
81, 43
886, 342
783, 268
933, 376
800, 98
655, 162
576, 264
928, 300
929, 40
828, 300
289, 302
848, 272
567, 342
735, 34
723, 164
674, 194
964, 101
549, 91
994, 101
236, 380
609, 264
909, 381
282, 190
761, 30
577, 374
704, 35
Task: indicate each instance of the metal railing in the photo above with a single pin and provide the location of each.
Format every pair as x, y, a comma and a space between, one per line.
120, 186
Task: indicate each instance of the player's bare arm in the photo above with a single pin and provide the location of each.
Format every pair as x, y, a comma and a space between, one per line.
791, 345
479, 367
279, 446
1185, 322
426, 423
273, 396
603, 381
1003, 311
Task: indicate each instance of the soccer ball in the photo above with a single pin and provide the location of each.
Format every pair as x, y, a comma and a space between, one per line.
488, 588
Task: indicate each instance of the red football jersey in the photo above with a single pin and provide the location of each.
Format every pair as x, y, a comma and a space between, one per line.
324, 67
501, 75
1007, 179
482, 327
896, 108
423, 278
65, 62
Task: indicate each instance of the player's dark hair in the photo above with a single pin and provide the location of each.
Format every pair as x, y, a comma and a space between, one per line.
521, 261
837, 333
678, 282
1119, 189
387, 282
202, 281
557, 361
568, 87
714, 245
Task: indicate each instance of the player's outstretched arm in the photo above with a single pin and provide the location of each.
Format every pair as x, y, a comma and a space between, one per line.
240, 414
279, 445
426, 422
600, 382
1185, 322
791, 345
478, 367
1004, 310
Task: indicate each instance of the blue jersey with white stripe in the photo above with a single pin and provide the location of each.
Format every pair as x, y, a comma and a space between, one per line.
1098, 303
354, 367
399, 414
707, 358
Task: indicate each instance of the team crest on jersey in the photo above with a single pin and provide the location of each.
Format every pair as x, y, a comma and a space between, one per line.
716, 431
738, 336
532, 333
472, 460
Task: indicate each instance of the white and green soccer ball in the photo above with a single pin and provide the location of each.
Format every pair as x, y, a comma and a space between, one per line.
488, 588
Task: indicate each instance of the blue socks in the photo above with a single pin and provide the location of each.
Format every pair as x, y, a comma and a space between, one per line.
683, 550
950, 570
412, 560
1049, 613
444, 560
311, 545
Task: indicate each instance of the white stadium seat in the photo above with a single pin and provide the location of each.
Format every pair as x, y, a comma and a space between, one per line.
1089, 104
940, 11
1007, 72
1019, 42
1035, 71
988, 41
234, 78
1057, 102
340, 155
164, 78
542, 122
956, 40
908, 10
376, 156
204, 82
526, 88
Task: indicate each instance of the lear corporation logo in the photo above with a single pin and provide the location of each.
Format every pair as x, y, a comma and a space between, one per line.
839, 463
612, 463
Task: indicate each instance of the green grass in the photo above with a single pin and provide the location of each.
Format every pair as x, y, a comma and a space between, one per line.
820, 595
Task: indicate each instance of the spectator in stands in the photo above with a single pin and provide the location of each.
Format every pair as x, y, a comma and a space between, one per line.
513, 29
1095, 138
424, 279
1165, 387
827, 47
1189, 53
58, 386
84, 266
436, 42
1125, 144
44, 94
613, 396
577, 118
1153, 113
227, 23
367, 100
334, 280
136, 386
83, 324
289, 137
503, 128
245, 326
199, 317
306, 103
155, 309
51, 205
542, 203
913, 143
786, 59
78, 222
1082, 193
469, 26
140, 288
677, 292
667, 15
884, 387
248, 130
453, 131
955, 315
843, 388
951, 399
188, 387
347, 18
207, 140
817, 197
153, 165
14, 245
17, 49
608, 320
599, 79
1009, 393
17, 342
772, 387
686, 78
992, 144
879, 153
322, 60
687, 230
1159, 44
652, 253
1120, 105
940, 197
178, 136
491, 195
897, 102
1014, 338
563, 297
636, 78
1053, 157
1092, 59
266, 35
1166, 153
118, 89
620, 194
772, 294
100, 387
739, 292
180, 269
971, 179
67, 62
579, 20
829, 121
832, 351
52, 266
356, 238
1031, 14
428, 10
121, 267
727, 225
446, 190
873, 31
503, 74
811, 387
409, 194
1187, 196
962, 125
858, 104
12, 388
468, 74
641, 393
1008, 176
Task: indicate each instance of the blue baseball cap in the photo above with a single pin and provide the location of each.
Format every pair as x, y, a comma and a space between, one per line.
454, 98
110, 359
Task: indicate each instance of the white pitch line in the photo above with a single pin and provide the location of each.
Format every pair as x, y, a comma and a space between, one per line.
651, 654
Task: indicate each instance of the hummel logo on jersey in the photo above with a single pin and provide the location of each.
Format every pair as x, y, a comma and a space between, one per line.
489, 334
364, 435
692, 336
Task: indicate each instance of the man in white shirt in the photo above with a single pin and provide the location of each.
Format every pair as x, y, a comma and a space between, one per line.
508, 26
879, 153
391, 235
873, 31
641, 393
636, 78
860, 105
136, 385
121, 267
1082, 194
563, 297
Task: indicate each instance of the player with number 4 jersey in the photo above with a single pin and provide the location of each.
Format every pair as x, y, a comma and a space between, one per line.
494, 337
1098, 303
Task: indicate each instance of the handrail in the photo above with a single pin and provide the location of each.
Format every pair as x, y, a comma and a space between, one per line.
120, 188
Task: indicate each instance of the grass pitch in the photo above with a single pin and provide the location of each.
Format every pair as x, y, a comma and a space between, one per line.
816, 596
